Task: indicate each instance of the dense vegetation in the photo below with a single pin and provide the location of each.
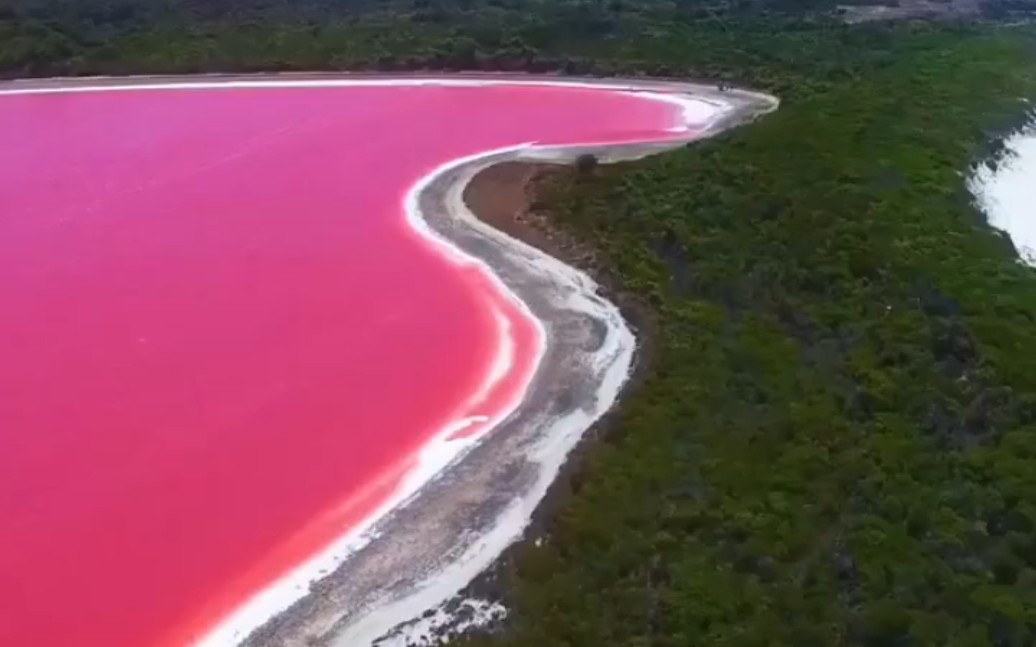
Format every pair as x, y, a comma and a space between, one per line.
702, 38
836, 440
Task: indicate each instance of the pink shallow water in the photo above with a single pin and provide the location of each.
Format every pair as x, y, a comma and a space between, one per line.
221, 345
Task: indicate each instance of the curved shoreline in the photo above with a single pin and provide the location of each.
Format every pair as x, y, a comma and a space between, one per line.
440, 540
1001, 189
456, 516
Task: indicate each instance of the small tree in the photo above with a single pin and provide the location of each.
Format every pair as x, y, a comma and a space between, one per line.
586, 163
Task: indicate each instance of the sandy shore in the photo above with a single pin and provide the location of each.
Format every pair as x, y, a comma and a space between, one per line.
439, 541
433, 544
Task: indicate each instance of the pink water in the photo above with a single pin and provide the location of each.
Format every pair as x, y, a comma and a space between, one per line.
221, 345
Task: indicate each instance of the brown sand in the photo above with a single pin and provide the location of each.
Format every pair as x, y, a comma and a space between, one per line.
501, 196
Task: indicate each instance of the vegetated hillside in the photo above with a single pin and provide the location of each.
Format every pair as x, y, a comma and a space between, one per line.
835, 441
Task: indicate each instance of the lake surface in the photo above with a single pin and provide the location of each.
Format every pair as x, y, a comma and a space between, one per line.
1008, 193
222, 344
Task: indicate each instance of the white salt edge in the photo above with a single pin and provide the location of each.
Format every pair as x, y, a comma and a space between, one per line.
424, 631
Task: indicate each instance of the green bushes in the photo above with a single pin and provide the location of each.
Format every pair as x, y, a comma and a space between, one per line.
834, 444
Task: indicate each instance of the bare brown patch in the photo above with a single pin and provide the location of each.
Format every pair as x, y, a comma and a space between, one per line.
500, 196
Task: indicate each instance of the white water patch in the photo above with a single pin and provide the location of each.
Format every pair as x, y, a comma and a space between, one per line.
695, 112
1008, 194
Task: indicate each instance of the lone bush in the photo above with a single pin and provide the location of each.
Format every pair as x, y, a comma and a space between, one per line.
586, 163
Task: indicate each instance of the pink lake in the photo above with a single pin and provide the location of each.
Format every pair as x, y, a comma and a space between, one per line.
222, 344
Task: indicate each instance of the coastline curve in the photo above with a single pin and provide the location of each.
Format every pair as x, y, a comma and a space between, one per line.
464, 504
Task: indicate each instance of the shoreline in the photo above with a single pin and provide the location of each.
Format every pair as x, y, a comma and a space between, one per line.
488, 499
429, 542
1001, 190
